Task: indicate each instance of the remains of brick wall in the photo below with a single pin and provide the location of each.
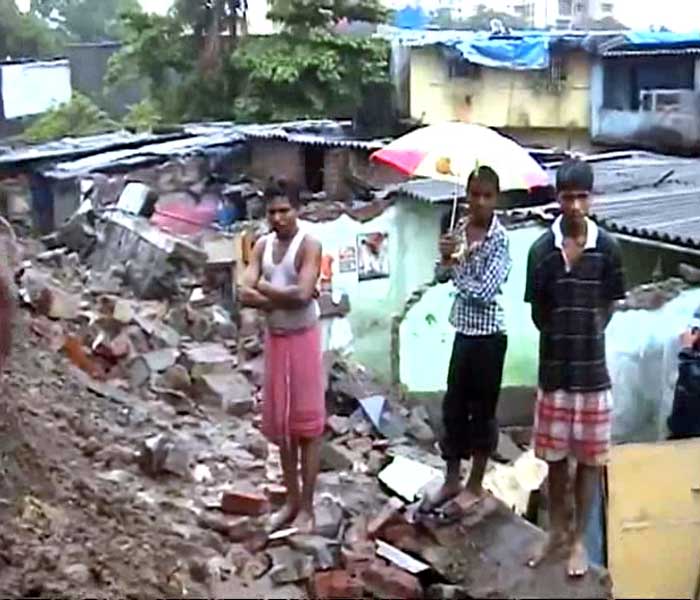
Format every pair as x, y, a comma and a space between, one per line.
271, 158
335, 168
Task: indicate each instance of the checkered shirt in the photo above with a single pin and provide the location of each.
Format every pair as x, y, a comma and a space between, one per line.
478, 278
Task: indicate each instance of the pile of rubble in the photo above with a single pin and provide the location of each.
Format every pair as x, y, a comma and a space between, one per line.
146, 462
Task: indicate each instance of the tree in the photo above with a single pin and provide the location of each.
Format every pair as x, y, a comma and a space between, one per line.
199, 65
80, 116
307, 70
86, 20
24, 36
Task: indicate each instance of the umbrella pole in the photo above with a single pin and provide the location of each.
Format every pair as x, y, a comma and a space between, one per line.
454, 211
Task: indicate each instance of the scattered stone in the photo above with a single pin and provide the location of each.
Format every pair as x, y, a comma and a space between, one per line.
240, 502
78, 574
160, 454
326, 553
360, 445
174, 378
335, 457
164, 334
230, 391
375, 462
337, 585
388, 582
289, 566
208, 359
241, 529
441, 591
48, 299
418, 426
329, 516
142, 367
338, 425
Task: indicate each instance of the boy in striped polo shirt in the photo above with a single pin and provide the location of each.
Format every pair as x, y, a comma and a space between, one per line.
574, 277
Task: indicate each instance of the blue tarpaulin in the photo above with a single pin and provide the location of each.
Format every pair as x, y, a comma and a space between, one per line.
411, 18
531, 50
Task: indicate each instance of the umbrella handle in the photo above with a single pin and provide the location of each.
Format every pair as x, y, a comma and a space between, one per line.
454, 213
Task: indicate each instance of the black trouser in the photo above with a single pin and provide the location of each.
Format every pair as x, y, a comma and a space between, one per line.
473, 386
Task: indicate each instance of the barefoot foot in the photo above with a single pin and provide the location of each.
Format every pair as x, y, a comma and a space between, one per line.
578, 560
447, 492
555, 544
282, 518
305, 522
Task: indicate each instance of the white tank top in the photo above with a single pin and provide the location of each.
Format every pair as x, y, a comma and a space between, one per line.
284, 274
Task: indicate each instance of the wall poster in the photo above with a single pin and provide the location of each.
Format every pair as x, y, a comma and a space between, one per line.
373, 256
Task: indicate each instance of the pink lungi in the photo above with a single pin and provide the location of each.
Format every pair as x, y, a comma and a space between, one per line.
294, 403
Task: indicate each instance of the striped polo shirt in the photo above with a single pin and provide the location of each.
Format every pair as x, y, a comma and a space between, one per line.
573, 302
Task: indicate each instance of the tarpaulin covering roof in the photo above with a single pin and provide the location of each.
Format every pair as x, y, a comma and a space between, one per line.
531, 50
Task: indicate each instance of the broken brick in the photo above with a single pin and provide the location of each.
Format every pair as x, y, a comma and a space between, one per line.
401, 535
338, 425
388, 512
337, 585
239, 502
388, 582
276, 493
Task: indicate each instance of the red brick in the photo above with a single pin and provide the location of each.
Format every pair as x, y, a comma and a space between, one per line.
238, 502
401, 535
386, 583
276, 493
337, 585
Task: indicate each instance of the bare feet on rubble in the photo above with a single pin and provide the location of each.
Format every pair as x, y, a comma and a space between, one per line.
578, 560
305, 522
447, 492
555, 544
282, 518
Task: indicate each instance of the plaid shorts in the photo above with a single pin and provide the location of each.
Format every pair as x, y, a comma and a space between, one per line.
573, 423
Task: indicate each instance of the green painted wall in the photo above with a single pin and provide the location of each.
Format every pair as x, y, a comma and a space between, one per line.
426, 335
414, 229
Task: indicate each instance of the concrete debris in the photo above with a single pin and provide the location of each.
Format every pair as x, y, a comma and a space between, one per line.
338, 425
162, 454
338, 585
229, 391
335, 457
289, 566
142, 367
207, 359
325, 552
329, 517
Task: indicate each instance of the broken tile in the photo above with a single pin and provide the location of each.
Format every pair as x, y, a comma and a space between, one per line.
400, 559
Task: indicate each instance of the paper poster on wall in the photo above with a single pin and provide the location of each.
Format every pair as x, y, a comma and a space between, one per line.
347, 259
373, 256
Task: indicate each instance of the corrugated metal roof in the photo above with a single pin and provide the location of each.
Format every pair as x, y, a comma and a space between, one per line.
670, 217
652, 52
331, 134
430, 190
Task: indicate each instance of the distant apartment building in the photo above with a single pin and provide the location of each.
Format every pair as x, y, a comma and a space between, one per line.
256, 16
561, 14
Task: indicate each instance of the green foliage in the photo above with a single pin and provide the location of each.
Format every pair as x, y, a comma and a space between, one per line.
86, 20
479, 21
143, 116
24, 36
198, 68
80, 116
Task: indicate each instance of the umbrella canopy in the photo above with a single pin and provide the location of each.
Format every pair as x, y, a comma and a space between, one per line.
451, 151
